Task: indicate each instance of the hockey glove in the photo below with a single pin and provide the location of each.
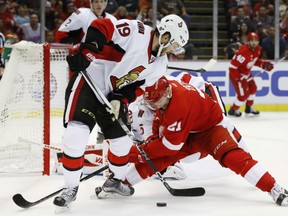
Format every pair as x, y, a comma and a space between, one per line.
120, 106
268, 66
84, 55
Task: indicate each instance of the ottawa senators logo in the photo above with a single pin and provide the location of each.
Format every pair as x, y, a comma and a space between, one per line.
126, 79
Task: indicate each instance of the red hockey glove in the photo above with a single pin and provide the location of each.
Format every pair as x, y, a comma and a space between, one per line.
268, 66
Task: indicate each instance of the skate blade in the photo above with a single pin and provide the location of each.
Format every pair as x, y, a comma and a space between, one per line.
61, 209
251, 115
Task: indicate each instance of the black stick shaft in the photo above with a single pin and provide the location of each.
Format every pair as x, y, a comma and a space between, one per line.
23, 203
201, 70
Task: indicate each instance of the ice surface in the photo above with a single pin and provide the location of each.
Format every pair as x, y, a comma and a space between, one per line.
226, 193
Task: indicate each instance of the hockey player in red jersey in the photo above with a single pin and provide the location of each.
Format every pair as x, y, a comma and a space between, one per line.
121, 57
74, 28
197, 126
240, 75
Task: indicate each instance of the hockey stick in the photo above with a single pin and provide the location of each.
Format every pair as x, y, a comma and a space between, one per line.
92, 158
261, 71
207, 67
197, 191
23, 203
50, 147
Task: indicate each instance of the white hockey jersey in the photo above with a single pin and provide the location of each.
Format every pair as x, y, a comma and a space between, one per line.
78, 23
112, 69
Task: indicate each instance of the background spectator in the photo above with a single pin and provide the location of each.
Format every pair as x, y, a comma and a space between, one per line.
243, 33
50, 36
166, 7
261, 31
284, 26
7, 17
112, 7
131, 7
22, 15
67, 11
31, 31
145, 4
57, 7
237, 21
268, 44
244, 4
81, 3
263, 18
122, 13
266, 4
49, 16
146, 16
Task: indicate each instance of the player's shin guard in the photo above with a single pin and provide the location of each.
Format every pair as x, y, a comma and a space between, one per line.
242, 163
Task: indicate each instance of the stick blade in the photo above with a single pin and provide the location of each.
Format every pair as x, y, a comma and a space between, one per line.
210, 64
191, 192
21, 202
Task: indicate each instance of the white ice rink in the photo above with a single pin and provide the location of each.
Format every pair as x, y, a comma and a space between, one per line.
226, 193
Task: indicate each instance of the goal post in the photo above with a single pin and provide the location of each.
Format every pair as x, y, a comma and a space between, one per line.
32, 105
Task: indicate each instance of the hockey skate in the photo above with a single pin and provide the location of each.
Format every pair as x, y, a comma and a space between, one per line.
63, 201
113, 187
250, 111
235, 113
175, 172
279, 195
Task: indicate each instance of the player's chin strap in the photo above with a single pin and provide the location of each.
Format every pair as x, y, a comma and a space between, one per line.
197, 191
161, 46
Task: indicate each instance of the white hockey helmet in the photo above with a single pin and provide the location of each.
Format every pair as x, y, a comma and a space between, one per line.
177, 28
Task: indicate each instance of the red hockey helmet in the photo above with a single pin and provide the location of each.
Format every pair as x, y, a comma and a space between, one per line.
252, 35
155, 92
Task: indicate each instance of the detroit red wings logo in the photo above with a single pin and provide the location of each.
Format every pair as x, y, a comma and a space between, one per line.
126, 79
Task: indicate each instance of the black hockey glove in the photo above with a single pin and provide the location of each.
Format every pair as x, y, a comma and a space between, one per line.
82, 58
120, 107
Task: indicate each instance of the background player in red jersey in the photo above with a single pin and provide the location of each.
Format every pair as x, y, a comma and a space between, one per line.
240, 75
197, 126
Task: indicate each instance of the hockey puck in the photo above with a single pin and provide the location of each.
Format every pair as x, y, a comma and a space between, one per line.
161, 204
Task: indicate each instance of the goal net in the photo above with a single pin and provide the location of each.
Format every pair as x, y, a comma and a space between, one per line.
31, 106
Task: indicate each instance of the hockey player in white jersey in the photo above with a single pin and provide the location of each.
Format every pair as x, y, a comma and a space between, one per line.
73, 29
121, 57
